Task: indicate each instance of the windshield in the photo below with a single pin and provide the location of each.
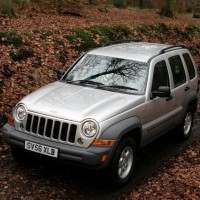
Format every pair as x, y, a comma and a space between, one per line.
116, 73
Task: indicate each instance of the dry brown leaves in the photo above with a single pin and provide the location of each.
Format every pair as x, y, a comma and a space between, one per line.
180, 181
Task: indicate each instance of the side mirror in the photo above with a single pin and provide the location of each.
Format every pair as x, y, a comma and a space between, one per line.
163, 91
60, 73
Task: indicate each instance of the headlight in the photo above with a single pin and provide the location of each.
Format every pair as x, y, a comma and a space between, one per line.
21, 112
89, 128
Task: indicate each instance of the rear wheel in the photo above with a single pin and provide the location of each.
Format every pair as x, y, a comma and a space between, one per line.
184, 130
123, 162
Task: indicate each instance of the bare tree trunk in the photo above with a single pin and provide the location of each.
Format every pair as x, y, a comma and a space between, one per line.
197, 9
167, 9
141, 4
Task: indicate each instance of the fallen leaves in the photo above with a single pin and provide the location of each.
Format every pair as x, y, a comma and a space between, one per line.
179, 181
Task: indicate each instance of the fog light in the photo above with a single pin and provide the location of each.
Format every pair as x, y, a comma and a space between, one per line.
21, 126
80, 141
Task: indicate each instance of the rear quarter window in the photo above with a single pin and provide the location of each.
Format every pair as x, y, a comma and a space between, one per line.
189, 64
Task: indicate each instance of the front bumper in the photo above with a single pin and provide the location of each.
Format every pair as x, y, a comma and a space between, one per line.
89, 157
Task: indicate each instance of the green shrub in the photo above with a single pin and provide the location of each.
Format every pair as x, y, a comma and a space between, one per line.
87, 41
22, 54
6, 8
22, 3
2, 35
93, 2
14, 38
11, 37
121, 31
25, 86
71, 38
94, 36
182, 34
163, 28
44, 35
82, 39
197, 25
142, 28
102, 30
59, 42
120, 3
29, 35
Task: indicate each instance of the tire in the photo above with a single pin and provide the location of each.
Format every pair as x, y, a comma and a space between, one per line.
185, 128
122, 164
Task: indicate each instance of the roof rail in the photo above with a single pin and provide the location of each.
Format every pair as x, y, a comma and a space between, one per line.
120, 41
172, 48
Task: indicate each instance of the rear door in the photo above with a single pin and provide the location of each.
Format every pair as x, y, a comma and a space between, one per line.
180, 83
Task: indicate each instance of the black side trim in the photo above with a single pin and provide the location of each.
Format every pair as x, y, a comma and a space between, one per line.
164, 121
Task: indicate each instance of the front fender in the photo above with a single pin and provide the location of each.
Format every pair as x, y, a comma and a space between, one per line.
116, 132
119, 129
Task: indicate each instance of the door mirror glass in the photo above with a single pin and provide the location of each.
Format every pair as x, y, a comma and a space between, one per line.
60, 73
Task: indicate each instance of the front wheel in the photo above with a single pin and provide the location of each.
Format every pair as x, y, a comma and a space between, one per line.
123, 162
184, 130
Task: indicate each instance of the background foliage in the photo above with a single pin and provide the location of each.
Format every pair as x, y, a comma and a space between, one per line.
166, 7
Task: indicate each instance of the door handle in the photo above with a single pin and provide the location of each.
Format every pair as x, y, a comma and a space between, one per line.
187, 88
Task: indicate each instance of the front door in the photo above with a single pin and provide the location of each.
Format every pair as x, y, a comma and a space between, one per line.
159, 110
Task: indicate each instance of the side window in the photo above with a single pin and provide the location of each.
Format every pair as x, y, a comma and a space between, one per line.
160, 76
189, 65
178, 71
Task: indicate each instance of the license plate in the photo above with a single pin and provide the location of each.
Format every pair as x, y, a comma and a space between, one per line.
42, 149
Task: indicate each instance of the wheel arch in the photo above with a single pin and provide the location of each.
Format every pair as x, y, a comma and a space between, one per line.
135, 133
194, 104
191, 100
130, 127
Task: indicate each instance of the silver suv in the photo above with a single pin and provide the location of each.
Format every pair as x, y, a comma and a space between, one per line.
112, 101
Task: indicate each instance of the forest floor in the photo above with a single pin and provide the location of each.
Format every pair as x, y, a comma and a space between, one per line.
38, 18
168, 170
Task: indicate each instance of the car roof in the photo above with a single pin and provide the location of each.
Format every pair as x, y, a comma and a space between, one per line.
139, 51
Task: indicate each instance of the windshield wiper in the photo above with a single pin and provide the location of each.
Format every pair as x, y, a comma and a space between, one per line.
101, 85
86, 82
118, 87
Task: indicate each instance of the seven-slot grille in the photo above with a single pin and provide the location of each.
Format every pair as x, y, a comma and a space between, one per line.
50, 128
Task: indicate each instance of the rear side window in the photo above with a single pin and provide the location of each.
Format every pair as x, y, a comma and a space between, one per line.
178, 71
189, 65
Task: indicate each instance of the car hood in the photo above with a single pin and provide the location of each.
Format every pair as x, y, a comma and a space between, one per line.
77, 103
